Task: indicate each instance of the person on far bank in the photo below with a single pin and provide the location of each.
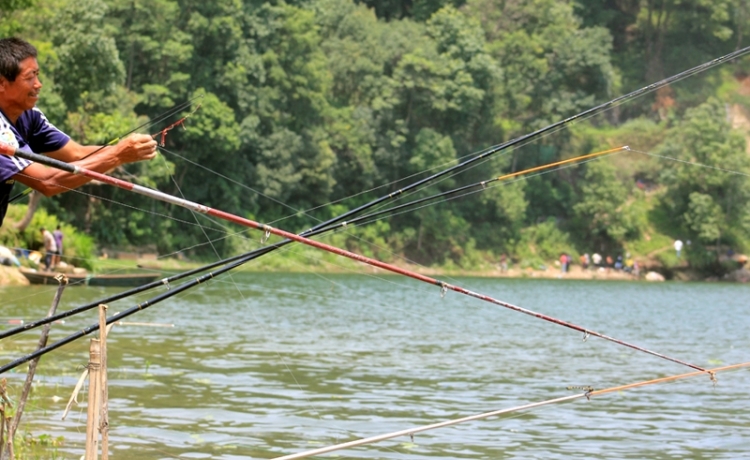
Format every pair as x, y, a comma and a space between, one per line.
678, 247
50, 248
58, 235
24, 126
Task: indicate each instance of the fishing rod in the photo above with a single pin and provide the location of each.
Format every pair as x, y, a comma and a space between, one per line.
484, 183
589, 392
487, 152
158, 119
241, 259
268, 230
244, 258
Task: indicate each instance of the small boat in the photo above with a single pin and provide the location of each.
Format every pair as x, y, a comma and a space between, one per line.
88, 279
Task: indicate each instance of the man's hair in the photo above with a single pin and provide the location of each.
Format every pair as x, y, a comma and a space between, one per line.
12, 51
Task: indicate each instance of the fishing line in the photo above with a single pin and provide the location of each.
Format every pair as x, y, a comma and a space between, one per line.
252, 310
86, 307
356, 222
485, 183
250, 256
692, 163
155, 194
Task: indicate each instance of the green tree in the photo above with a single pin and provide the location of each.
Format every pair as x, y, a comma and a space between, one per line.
708, 188
601, 210
552, 67
154, 49
9, 23
88, 59
419, 10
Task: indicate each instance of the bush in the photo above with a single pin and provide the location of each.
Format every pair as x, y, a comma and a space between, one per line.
78, 248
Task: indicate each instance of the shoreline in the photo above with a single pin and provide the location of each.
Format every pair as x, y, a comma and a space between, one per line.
10, 276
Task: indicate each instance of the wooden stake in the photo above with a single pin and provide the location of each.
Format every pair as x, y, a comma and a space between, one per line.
3, 419
104, 420
13, 427
92, 419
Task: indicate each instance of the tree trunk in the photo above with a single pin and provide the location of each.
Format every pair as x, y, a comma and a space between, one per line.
34, 201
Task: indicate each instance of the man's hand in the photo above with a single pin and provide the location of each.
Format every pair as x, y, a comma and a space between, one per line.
136, 147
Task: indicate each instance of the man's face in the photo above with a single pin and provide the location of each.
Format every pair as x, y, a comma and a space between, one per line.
23, 93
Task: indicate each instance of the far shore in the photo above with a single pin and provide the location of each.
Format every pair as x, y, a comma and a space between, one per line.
10, 276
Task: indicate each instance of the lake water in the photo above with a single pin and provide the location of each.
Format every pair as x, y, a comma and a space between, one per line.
263, 365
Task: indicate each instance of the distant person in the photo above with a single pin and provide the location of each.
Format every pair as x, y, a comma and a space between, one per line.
585, 260
678, 247
610, 263
597, 259
503, 263
50, 248
564, 262
618, 263
629, 263
58, 234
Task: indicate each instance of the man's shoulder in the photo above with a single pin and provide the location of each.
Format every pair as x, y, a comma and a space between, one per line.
32, 116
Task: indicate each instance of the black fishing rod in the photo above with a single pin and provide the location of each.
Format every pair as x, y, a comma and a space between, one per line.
333, 223
482, 184
158, 119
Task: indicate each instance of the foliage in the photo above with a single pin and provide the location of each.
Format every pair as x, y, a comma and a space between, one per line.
601, 210
309, 102
542, 243
78, 247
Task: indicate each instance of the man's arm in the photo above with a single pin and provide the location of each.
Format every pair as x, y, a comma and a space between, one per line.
73, 151
51, 181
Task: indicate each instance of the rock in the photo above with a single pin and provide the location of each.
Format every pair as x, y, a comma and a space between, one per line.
653, 276
10, 276
742, 276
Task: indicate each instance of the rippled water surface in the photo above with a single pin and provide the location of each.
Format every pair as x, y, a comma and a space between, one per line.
263, 365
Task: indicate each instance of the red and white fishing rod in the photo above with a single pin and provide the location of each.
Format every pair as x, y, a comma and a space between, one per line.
157, 195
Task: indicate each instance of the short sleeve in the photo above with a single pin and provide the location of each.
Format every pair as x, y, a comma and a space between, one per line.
42, 135
10, 165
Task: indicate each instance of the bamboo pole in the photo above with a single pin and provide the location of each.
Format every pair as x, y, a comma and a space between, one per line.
92, 419
13, 426
3, 419
104, 415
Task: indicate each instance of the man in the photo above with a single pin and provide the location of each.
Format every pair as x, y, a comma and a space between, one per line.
24, 126
50, 247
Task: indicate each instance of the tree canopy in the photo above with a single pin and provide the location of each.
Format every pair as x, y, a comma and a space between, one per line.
304, 103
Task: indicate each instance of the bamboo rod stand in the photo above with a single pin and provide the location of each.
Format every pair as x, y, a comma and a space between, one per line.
104, 385
93, 410
97, 417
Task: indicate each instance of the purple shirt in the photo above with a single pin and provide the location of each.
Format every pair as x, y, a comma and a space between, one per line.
58, 235
32, 132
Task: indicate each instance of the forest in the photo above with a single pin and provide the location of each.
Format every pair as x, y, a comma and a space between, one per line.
298, 111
